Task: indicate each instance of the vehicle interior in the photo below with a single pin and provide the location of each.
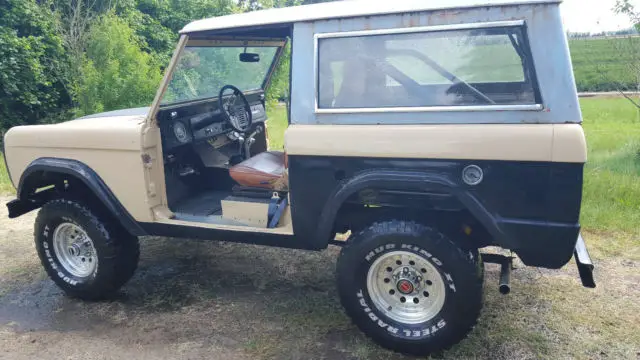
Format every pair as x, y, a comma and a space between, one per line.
212, 120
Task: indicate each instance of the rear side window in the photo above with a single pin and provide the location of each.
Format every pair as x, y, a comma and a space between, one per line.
465, 67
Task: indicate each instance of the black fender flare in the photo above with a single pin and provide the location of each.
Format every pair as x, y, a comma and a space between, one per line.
405, 180
81, 172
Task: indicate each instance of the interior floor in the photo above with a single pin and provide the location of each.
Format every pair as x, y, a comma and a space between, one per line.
205, 203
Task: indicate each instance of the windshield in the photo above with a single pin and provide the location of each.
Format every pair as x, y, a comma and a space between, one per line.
202, 71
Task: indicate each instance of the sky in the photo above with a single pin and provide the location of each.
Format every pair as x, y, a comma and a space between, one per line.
593, 15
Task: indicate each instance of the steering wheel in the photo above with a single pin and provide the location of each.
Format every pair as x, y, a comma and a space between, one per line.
238, 115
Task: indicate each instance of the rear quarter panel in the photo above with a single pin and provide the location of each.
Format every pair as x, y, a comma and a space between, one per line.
531, 191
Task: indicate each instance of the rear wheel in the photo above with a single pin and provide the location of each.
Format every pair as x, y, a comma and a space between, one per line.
87, 257
410, 288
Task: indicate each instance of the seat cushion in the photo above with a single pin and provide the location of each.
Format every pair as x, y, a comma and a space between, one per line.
265, 170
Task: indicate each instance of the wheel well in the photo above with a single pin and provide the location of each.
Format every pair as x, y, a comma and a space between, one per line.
460, 225
43, 186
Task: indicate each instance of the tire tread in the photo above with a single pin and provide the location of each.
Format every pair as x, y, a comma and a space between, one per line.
123, 249
472, 259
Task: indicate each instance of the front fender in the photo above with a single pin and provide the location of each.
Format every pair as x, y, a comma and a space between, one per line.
29, 200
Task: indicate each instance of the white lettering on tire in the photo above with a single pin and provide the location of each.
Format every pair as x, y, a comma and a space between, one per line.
422, 252
52, 262
428, 331
378, 250
452, 286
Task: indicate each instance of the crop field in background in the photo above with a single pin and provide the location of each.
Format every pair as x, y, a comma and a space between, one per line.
599, 64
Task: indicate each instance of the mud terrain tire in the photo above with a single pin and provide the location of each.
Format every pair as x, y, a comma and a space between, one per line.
409, 287
100, 265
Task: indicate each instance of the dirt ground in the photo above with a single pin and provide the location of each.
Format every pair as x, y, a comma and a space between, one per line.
211, 300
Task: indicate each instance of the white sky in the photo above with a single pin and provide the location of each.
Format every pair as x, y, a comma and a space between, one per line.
593, 15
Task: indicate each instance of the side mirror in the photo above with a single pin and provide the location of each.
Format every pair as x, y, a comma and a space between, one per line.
249, 57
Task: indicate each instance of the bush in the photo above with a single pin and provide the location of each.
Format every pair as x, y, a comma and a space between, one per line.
116, 72
279, 85
33, 65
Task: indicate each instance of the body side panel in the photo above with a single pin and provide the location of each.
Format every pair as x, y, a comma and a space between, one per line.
529, 199
524, 142
111, 147
514, 202
80, 172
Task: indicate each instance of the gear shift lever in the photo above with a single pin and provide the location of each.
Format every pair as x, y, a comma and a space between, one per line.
250, 140
240, 139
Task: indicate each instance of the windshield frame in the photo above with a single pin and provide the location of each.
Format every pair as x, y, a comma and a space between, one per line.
227, 42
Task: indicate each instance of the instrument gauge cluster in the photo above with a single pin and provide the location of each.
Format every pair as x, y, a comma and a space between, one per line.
181, 133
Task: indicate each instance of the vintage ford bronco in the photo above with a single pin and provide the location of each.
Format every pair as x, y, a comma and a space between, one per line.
423, 130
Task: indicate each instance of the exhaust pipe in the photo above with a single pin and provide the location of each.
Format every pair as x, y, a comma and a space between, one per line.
506, 264
505, 276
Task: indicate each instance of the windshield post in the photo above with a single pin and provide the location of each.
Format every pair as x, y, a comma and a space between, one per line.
272, 67
151, 116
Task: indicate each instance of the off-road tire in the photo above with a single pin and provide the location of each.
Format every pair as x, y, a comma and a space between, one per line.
462, 275
117, 251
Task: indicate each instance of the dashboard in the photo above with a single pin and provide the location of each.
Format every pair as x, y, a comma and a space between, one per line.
178, 128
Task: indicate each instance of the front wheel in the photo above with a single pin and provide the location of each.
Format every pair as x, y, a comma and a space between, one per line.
86, 256
410, 288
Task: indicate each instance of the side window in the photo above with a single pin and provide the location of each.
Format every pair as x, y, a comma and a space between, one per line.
487, 66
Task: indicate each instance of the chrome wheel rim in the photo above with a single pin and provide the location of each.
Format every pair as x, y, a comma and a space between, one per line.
74, 250
406, 287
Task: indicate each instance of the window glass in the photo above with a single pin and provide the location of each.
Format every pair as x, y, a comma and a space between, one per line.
202, 71
474, 67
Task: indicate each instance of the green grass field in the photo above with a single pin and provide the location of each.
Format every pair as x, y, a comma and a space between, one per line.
599, 64
612, 187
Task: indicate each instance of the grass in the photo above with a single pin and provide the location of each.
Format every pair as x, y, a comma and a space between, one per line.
5, 182
612, 188
601, 64
276, 125
246, 301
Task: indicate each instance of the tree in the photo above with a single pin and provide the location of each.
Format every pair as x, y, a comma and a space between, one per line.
116, 72
74, 19
33, 65
625, 7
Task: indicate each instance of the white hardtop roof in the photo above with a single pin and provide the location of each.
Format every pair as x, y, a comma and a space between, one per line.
342, 9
